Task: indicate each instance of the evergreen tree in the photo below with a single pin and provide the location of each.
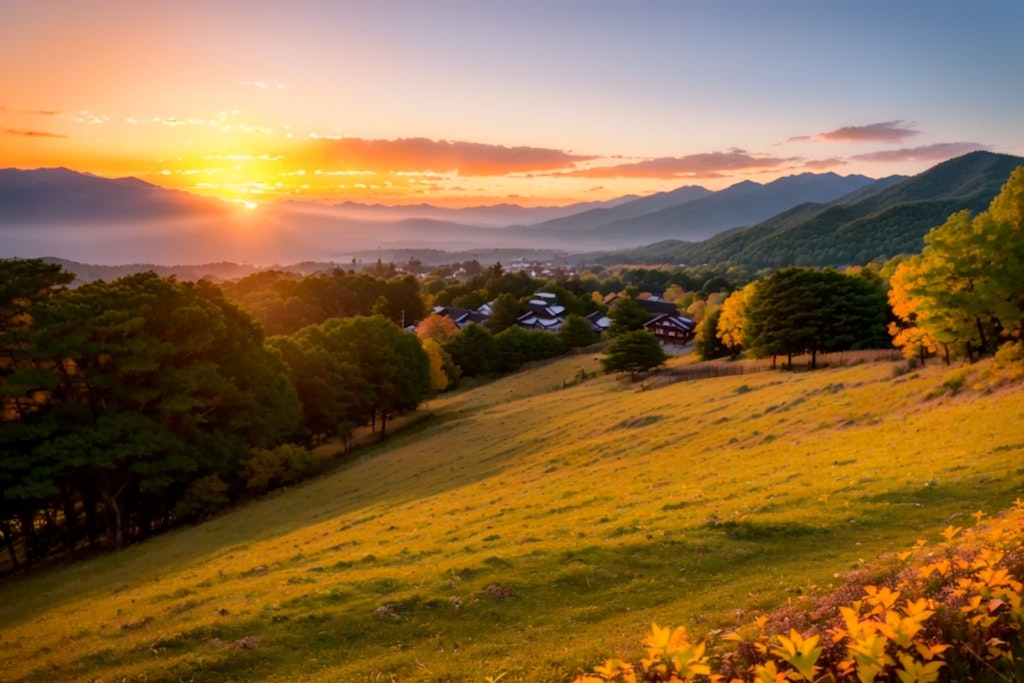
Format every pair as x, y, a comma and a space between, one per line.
577, 332
626, 316
635, 353
707, 344
474, 351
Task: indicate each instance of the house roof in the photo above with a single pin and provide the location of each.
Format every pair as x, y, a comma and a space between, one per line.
655, 306
599, 321
461, 316
675, 321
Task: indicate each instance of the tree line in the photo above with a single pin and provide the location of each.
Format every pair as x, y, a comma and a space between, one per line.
129, 406
961, 297
796, 311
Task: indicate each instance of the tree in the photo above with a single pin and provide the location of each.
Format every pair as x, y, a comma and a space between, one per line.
907, 334
155, 383
437, 327
474, 351
732, 319
801, 310
577, 332
505, 310
390, 361
634, 352
707, 344
965, 290
440, 365
26, 387
327, 380
626, 316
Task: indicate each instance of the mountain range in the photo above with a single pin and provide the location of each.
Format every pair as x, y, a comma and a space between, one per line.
882, 220
812, 219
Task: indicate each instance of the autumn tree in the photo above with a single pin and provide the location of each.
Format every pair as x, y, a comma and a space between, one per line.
907, 332
442, 368
436, 327
964, 291
732, 319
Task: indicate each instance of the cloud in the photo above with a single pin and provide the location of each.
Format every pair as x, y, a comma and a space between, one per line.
824, 163
439, 156
706, 165
31, 112
32, 133
886, 131
937, 152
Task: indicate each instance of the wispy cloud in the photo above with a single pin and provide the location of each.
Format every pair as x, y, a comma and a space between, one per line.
32, 133
817, 164
30, 112
439, 156
706, 165
886, 131
938, 152
262, 85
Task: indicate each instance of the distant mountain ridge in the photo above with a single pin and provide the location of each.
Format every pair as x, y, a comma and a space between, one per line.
49, 195
584, 221
807, 219
488, 216
745, 203
82, 217
892, 218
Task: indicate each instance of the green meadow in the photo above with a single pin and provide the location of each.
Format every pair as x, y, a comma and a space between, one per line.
528, 528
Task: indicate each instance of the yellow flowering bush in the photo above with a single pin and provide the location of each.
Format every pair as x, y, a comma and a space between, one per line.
948, 612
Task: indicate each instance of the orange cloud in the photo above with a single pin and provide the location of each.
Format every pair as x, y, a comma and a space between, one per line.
32, 133
707, 165
32, 112
937, 152
437, 156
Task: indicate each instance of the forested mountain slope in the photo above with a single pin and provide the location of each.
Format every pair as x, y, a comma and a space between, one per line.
883, 224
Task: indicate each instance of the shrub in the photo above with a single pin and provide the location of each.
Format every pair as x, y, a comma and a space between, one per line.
949, 612
203, 497
269, 468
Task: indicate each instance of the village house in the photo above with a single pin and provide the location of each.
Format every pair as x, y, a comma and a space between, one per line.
545, 313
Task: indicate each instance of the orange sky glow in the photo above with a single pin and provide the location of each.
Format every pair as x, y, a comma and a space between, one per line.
457, 103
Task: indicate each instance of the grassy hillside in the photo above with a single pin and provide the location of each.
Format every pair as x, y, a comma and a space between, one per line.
530, 530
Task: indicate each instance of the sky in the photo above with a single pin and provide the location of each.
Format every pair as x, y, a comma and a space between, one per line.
535, 102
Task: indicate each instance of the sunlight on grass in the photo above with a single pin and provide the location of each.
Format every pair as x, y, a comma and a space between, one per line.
531, 530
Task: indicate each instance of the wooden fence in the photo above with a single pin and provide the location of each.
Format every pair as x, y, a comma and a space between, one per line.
726, 368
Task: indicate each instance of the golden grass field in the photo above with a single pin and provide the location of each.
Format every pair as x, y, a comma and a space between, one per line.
525, 531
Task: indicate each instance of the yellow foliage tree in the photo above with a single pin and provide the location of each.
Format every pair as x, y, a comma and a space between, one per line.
732, 319
439, 379
966, 288
914, 340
